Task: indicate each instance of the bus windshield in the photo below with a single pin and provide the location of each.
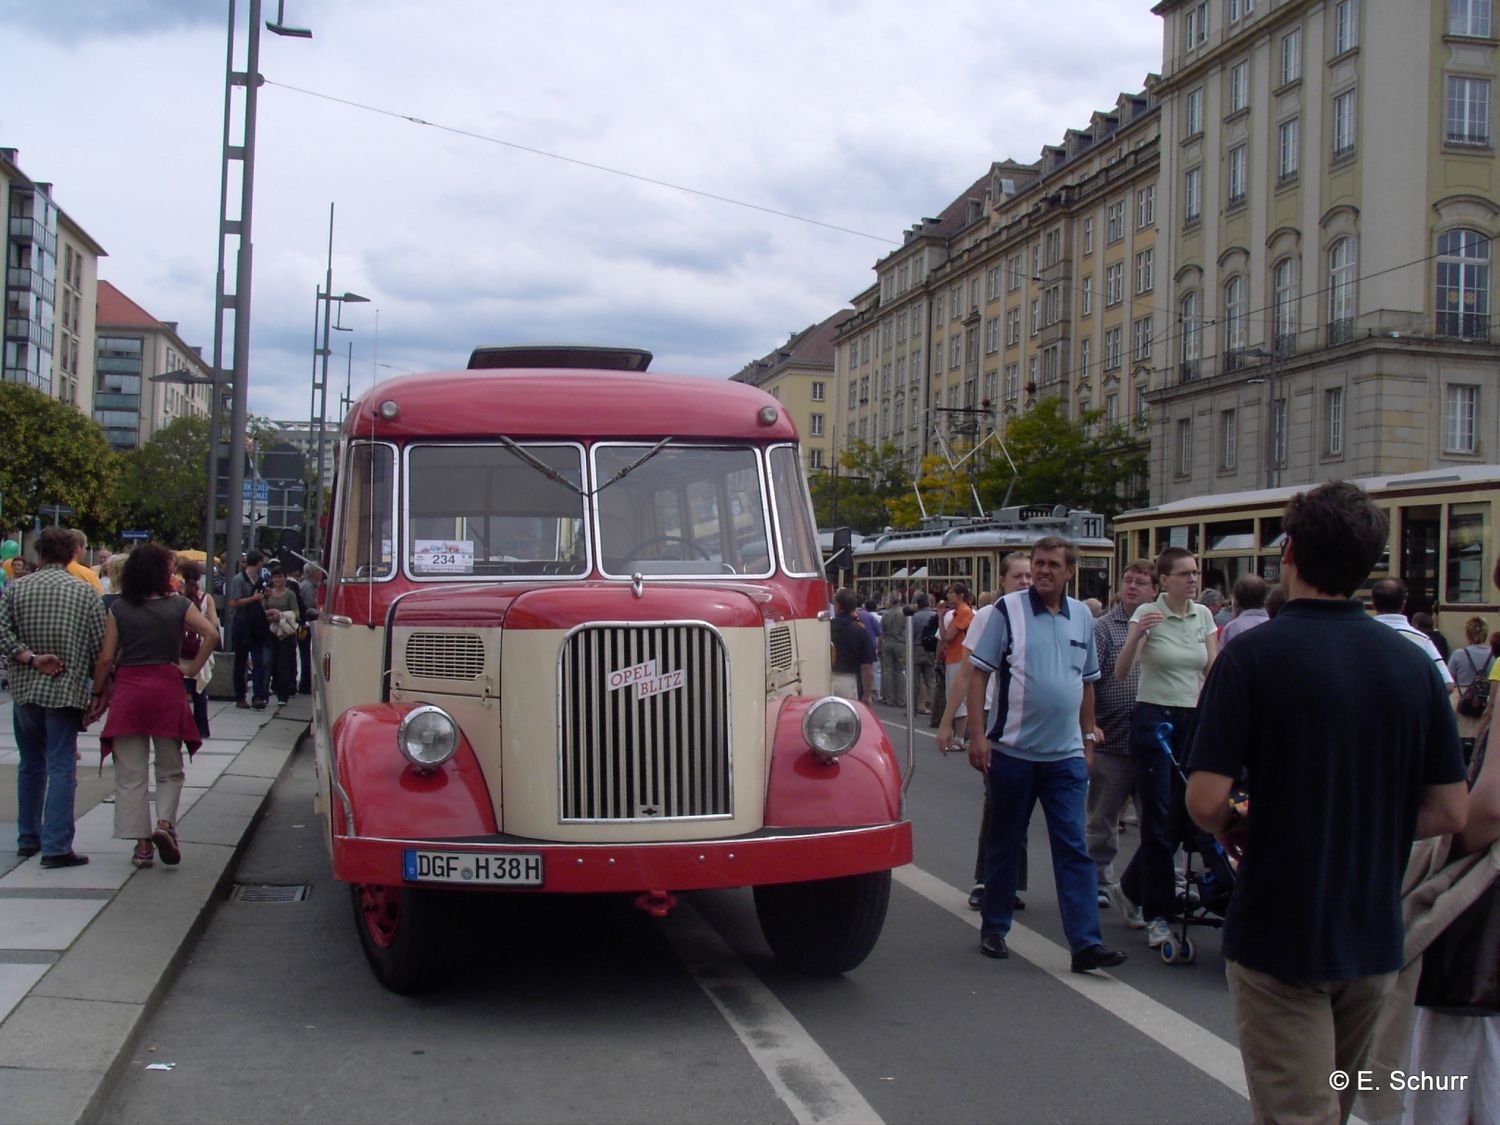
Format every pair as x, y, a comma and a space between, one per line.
489, 511
684, 510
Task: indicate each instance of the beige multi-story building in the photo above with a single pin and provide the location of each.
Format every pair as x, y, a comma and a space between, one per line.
799, 374
51, 271
1329, 171
133, 346
1031, 284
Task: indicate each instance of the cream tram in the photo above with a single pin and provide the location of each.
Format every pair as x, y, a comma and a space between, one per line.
576, 640
1443, 539
949, 548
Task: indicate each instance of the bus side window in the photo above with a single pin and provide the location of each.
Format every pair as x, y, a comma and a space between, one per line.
366, 542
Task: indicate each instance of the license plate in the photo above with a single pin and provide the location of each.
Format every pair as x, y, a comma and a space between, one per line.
511, 869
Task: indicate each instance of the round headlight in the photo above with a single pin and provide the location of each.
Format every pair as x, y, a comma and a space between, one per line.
831, 726
428, 737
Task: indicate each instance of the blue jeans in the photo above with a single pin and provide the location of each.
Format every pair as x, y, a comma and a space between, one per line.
258, 652
1015, 788
48, 741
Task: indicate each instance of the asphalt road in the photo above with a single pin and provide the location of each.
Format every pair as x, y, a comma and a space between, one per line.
587, 1010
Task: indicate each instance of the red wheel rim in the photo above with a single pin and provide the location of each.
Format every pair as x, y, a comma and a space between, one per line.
380, 907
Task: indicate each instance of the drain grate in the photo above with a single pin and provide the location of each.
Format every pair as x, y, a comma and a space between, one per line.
269, 892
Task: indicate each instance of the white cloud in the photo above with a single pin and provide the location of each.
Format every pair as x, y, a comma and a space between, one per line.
865, 115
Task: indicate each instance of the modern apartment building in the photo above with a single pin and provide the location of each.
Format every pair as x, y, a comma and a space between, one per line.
1329, 171
800, 375
51, 269
1031, 284
132, 346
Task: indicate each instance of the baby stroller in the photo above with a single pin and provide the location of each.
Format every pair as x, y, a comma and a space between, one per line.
1204, 897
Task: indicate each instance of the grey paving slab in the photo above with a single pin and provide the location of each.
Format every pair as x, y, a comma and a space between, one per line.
205, 769
261, 761
244, 784
105, 870
219, 818
125, 955
15, 982
52, 1034
45, 923
46, 1095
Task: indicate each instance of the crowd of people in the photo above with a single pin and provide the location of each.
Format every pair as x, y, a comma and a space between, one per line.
131, 639
1337, 758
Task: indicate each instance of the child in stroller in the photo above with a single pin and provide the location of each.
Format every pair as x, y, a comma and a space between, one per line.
1204, 897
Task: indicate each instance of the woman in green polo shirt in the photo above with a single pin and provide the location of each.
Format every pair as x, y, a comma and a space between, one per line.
1175, 640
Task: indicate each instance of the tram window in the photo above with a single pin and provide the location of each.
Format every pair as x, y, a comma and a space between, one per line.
1231, 535
367, 545
1270, 532
1177, 535
1093, 578
1419, 555
1468, 531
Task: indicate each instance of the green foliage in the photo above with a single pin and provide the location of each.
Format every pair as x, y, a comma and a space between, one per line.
163, 483
1083, 463
53, 454
862, 494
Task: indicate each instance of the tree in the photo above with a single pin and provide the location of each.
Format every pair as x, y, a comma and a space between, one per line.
945, 491
862, 493
164, 482
1082, 463
53, 454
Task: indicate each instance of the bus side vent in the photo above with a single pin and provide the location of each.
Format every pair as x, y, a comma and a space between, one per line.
779, 649
644, 732
445, 656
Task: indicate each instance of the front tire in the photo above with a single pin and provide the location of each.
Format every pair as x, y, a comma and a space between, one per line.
824, 927
398, 929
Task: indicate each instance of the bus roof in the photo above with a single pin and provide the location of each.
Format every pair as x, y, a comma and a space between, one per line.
551, 403
1457, 475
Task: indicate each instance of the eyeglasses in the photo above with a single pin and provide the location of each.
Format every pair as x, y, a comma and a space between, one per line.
1183, 574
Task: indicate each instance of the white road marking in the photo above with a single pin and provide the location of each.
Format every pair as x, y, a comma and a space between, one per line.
803, 1076
1187, 1040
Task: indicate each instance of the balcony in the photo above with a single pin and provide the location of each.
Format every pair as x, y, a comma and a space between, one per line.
29, 331
1340, 331
30, 281
27, 229
1463, 326
1187, 370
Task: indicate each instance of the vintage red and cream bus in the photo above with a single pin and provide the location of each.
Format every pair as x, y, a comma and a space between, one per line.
575, 639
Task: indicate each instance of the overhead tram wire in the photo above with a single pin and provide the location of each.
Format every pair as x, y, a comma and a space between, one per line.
639, 178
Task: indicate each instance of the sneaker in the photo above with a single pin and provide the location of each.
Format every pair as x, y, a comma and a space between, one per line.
1104, 899
1096, 957
1157, 932
976, 896
1129, 911
165, 839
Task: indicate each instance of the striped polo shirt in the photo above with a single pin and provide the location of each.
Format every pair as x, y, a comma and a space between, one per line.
1042, 660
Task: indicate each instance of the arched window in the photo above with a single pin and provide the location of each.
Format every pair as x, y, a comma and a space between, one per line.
1191, 330
1341, 292
1284, 290
1463, 284
1234, 321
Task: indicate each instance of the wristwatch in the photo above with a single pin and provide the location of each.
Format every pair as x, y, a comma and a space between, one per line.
1090, 737
29, 661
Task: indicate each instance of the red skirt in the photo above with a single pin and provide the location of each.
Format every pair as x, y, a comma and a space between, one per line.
148, 699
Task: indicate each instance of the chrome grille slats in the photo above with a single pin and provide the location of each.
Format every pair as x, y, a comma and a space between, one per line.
779, 649
445, 656
661, 756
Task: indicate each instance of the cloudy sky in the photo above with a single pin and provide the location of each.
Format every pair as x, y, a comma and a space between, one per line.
859, 115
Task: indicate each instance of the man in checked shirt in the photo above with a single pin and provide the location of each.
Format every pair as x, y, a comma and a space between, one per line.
51, 629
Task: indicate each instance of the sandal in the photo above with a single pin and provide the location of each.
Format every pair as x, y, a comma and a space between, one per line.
143, 856
165, 840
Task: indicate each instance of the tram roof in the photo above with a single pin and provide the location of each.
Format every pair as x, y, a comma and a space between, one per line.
572, 404
977, 535
1446, 476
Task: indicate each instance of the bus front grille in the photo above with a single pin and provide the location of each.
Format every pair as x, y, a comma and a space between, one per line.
644, 730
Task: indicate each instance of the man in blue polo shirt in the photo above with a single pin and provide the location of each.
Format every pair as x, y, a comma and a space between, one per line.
1041, 644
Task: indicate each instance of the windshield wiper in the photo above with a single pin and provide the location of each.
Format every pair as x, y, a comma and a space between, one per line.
634, 465
541, 466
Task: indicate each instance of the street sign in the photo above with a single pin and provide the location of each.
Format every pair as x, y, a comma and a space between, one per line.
262, 490
135, 535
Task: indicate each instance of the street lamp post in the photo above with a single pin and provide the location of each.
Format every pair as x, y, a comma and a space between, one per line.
1273, 473
326, 298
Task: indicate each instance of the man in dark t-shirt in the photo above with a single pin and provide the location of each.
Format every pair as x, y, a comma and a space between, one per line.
1349, 750
853, 650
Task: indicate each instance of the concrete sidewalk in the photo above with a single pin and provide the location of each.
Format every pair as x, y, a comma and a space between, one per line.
85, 951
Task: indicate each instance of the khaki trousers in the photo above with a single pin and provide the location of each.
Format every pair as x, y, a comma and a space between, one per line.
1294, 1036
132, 802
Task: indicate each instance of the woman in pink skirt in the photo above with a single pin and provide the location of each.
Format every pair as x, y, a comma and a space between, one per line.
142, 641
